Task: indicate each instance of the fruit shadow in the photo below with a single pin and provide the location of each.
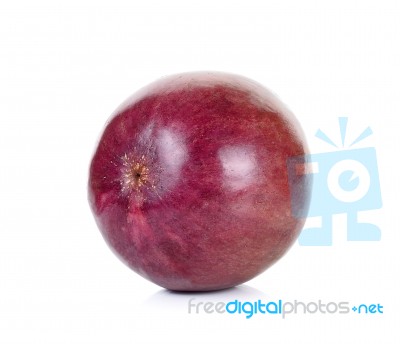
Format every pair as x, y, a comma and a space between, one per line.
169, 300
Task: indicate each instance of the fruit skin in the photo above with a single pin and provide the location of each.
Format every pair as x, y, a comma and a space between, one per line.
189, 182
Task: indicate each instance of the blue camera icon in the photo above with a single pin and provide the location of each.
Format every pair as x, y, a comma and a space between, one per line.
344, 181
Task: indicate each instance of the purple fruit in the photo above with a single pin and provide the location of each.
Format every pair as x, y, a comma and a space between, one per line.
189, 182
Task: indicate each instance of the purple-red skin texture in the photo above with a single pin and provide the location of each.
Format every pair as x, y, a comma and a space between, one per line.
189, 183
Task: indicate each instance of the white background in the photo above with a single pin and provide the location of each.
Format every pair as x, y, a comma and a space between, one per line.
64, 68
